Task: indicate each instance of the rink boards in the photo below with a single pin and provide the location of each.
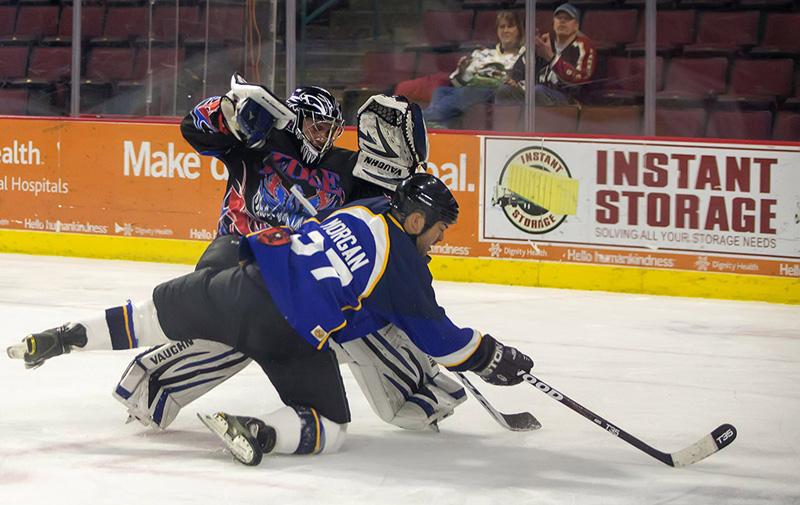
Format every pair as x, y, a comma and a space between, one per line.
712, 219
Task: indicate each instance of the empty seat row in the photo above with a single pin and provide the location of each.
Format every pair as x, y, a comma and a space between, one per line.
687, 79
627, 120
112, 23
611, 29
662, 4
102, 63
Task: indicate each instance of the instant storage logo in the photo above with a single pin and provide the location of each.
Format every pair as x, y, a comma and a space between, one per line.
536, 190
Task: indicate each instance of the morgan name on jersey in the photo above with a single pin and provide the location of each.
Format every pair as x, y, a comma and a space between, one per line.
328, 267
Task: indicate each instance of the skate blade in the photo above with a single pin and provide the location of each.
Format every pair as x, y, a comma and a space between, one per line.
17, 351
238, 445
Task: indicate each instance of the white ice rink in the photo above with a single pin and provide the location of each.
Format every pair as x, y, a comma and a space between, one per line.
668, 370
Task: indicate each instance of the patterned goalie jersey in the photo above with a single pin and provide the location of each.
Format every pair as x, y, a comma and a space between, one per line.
263, 183
351, 274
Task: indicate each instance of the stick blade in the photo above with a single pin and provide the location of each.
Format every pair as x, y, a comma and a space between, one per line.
521, 421
717, 440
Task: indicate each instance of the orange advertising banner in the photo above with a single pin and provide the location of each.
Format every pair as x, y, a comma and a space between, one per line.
143, 180
123, 179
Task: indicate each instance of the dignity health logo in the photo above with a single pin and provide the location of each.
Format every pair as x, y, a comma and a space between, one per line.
536, 191
20, 153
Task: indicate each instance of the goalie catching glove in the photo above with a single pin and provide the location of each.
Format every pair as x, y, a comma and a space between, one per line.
392, 140
503, 365
251, 111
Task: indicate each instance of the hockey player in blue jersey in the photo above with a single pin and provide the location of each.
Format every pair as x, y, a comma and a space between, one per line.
283, 168
297, 294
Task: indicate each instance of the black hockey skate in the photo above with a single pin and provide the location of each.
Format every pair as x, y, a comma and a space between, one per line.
37, 348
247, 438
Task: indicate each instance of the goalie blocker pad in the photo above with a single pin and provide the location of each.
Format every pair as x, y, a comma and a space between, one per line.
392, 140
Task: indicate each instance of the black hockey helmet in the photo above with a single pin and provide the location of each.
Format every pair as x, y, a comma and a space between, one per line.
428, 194
319, 105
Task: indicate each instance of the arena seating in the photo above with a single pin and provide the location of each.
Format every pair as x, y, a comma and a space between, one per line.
13, 62
723, 64
14, 101
787, 126
92, 17
724, 33
683, 122
738, 124
36, 21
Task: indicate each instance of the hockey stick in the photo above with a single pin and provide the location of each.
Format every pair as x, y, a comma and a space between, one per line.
521, 421
717, 440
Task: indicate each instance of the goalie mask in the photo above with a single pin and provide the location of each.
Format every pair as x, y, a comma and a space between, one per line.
318, 123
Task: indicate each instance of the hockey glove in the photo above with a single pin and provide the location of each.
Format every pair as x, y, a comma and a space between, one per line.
392, 140
251, 111
505, 362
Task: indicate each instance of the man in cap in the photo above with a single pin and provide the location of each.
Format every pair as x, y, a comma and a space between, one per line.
565, 61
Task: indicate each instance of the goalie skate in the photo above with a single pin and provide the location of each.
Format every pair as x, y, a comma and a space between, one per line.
35, 349
246, 438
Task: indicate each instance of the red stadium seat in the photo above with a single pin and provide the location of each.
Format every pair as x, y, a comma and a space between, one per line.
92, 17
446, 27
476, 117
725, 32
13, 62
625, 120
162, 62
760, 82
8, 15
680, 122
385, 69
109, 64
625, 76
735, 124
485, 31
765, 4
563, 119
507, 118
50, 63
189, 22
640, 3
430, 63
36, 21
674, 29
226, 23
787, 126
544, 20
14, 101
609, 29
781, 34
123, 23
695, 79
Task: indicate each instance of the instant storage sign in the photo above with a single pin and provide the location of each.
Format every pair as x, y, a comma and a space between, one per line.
697, 206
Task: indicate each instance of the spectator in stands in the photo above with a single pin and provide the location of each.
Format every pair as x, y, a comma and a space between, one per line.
479, 74
564, 63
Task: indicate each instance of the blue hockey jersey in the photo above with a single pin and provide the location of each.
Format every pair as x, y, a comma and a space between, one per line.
353, 273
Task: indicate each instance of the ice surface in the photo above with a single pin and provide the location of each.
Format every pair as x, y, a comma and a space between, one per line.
668, 370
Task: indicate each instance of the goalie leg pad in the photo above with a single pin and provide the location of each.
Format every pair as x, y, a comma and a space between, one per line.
164, 379
403, 385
